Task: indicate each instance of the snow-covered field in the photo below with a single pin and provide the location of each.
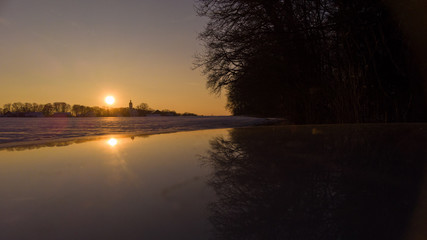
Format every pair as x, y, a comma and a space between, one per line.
16, 130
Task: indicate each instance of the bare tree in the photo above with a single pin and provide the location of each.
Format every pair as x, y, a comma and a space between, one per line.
48, 109
17, 107
311, 60
7, 107
143, 107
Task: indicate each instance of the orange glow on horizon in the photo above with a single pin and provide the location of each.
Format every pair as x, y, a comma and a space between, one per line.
83, 58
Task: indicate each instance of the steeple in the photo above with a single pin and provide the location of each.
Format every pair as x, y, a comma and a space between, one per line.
130, 105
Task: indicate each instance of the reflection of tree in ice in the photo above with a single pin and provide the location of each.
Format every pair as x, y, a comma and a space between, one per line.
284, 183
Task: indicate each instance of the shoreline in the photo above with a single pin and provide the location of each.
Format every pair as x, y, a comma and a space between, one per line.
58, 142
65, 141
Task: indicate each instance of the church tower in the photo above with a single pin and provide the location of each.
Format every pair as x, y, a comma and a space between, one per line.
130, 105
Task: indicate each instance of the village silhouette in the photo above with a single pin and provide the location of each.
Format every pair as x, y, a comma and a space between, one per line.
62, 109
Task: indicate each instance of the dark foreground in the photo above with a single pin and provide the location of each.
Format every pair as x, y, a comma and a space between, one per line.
275, 182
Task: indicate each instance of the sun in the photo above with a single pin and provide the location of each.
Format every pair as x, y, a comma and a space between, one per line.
110, 100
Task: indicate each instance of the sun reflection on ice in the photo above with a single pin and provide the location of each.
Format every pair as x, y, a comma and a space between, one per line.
112, 142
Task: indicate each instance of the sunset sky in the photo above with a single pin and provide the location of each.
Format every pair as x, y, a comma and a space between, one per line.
80, 51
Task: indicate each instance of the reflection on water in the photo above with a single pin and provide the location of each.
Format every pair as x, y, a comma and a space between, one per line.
36, 145
111, 188
112, 142
323, 182
278, 182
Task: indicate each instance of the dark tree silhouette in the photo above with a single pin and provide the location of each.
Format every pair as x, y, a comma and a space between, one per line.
7, 107
18, 109
48, 109
311, 61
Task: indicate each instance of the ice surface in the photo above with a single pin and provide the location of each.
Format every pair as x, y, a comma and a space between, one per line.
15, 130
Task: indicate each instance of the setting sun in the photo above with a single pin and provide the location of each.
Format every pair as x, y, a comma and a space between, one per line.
110, 100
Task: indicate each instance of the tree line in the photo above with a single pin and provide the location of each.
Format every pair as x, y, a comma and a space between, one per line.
314, 61
18, 109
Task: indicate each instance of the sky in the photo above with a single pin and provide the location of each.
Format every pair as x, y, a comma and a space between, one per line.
80, 51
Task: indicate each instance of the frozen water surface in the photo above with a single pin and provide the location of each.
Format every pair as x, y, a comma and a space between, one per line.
15, 130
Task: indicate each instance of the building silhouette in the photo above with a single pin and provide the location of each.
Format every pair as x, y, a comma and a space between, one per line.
132, 112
